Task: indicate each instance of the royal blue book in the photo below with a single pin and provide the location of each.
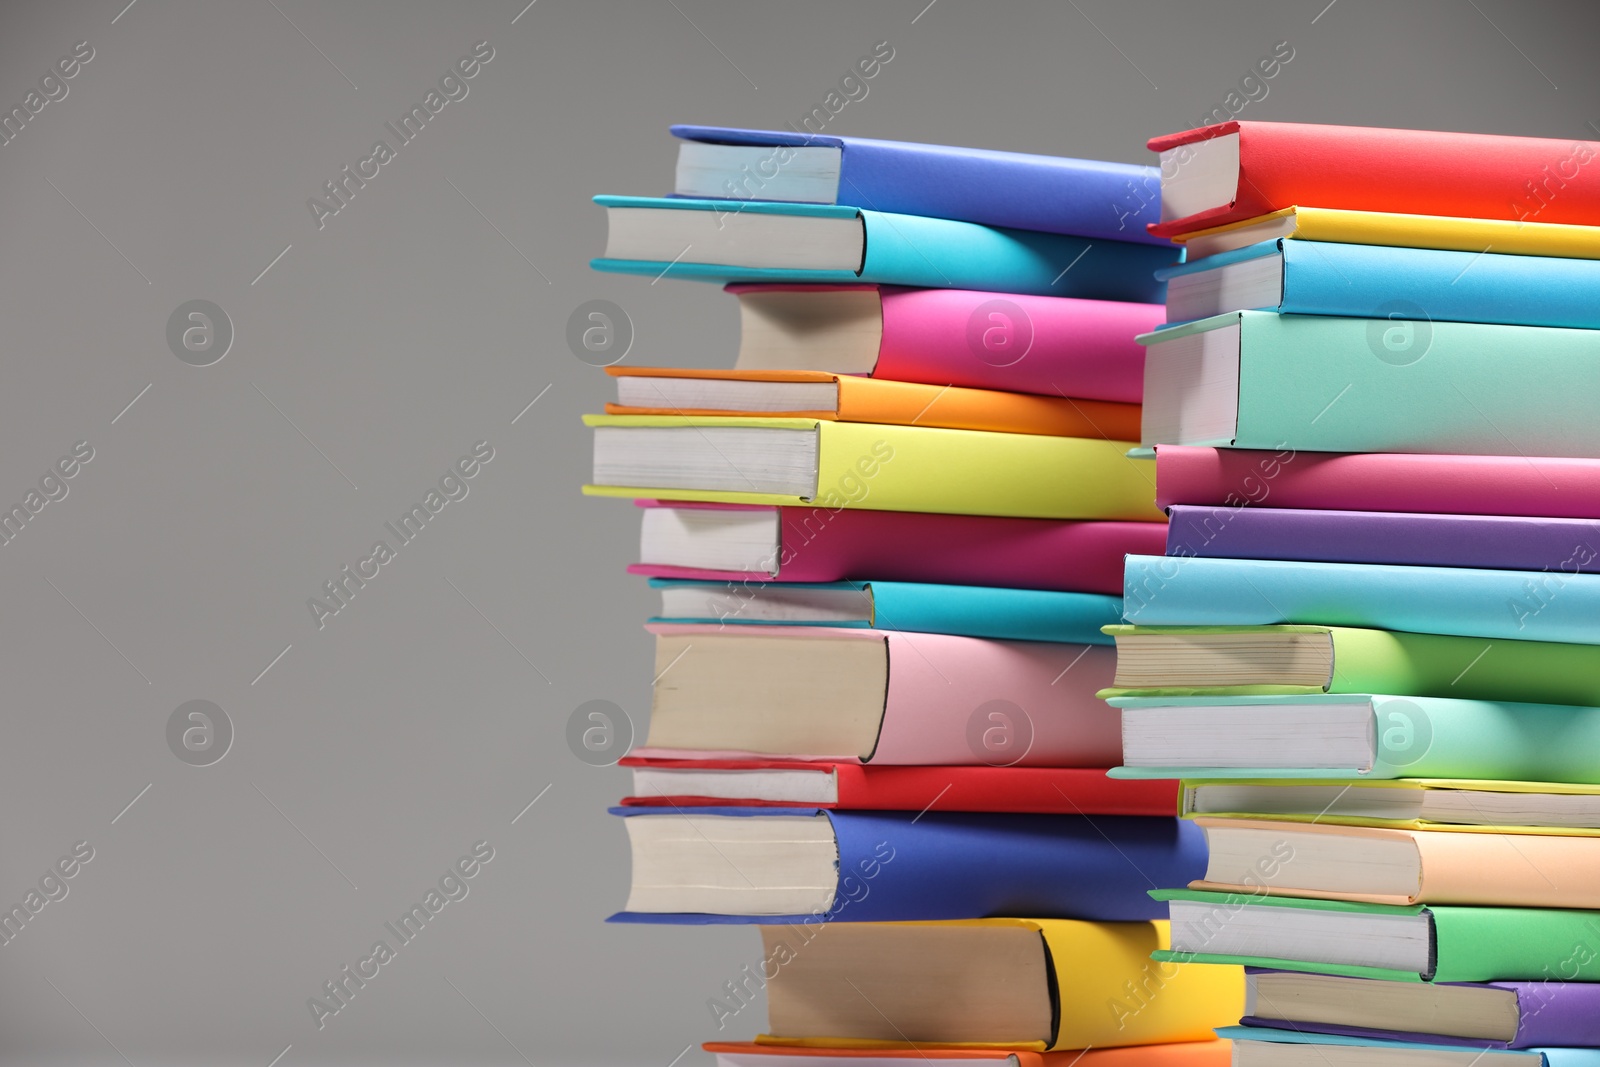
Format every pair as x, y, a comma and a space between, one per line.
789, 865
1555, 606
1380, 281
1248, 1036
1086, 197
912, 607
757, 241
1494, 542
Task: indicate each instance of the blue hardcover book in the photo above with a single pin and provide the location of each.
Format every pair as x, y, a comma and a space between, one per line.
778, 865
1259, 1045
757, 241
912, 607
1379, 281
1086, 197
1551, 605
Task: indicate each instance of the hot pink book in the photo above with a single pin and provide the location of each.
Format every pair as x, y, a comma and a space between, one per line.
957, 701
1049, 345
801, 544
1450, 485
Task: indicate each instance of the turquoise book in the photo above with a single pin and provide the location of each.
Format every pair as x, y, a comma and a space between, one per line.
1315, 383
912, 607
1260, 1045
755, 241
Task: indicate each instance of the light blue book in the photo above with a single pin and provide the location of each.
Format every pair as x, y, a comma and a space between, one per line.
963, 610
1550, 605
756, 241
1443, 1055
1378, 281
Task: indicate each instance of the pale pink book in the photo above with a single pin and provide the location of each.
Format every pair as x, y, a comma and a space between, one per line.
951, 701
1049, 345
819, 545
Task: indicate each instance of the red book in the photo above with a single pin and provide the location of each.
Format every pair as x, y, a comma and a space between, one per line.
1234, 171
853, 786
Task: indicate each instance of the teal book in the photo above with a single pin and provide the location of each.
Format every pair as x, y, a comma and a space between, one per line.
912, 607
1312, 383
1406, 943
754, 241
1465, 1053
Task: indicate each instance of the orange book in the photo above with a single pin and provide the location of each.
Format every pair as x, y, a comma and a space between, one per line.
848, 398
1183, 1054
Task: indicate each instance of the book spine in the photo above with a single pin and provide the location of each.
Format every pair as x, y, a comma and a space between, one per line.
1002, 614
1526, 944
1423, 737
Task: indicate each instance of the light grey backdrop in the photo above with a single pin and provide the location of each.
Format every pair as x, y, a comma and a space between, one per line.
369, 754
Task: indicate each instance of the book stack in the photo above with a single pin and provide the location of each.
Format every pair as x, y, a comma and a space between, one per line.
886, 544
1371, 649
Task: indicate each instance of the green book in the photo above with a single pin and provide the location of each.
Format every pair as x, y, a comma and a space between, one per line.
1261, 660
1409, 944
1258, 379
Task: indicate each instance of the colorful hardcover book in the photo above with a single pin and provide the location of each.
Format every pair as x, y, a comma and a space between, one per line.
865, 465
1496, 542
1521, 238
1255, 1047
871, 787
1547, 1013
1439, 943
1470, 485
750, 241
848, 398
1559, 605
1460, 805
1025, 984
1217, 661
732, 542
1345, 737
1376, 281
1240, 170
1385, 866
781, 865
1179, 1054
1050, 345
873, 696
1086, 197
963, 610
1254, 379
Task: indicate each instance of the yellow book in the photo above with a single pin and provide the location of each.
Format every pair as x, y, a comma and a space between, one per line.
1401, 231
877, 467
1035, 984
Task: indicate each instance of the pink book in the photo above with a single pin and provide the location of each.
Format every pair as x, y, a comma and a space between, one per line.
1451, 485
1049, 345
730, 542
949, 701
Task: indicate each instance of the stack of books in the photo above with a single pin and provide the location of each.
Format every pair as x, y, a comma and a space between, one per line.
1371, 650
886, 545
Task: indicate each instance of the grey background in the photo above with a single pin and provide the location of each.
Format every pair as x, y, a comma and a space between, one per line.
424, 717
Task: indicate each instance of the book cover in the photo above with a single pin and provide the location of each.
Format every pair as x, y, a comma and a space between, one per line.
1402, 230
1536, 1057
1177, 1054
897, 866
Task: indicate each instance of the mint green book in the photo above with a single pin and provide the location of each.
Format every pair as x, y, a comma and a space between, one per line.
1410, 944
1258, 379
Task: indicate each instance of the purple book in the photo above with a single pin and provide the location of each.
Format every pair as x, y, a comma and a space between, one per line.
1550, 1014
1495, 542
